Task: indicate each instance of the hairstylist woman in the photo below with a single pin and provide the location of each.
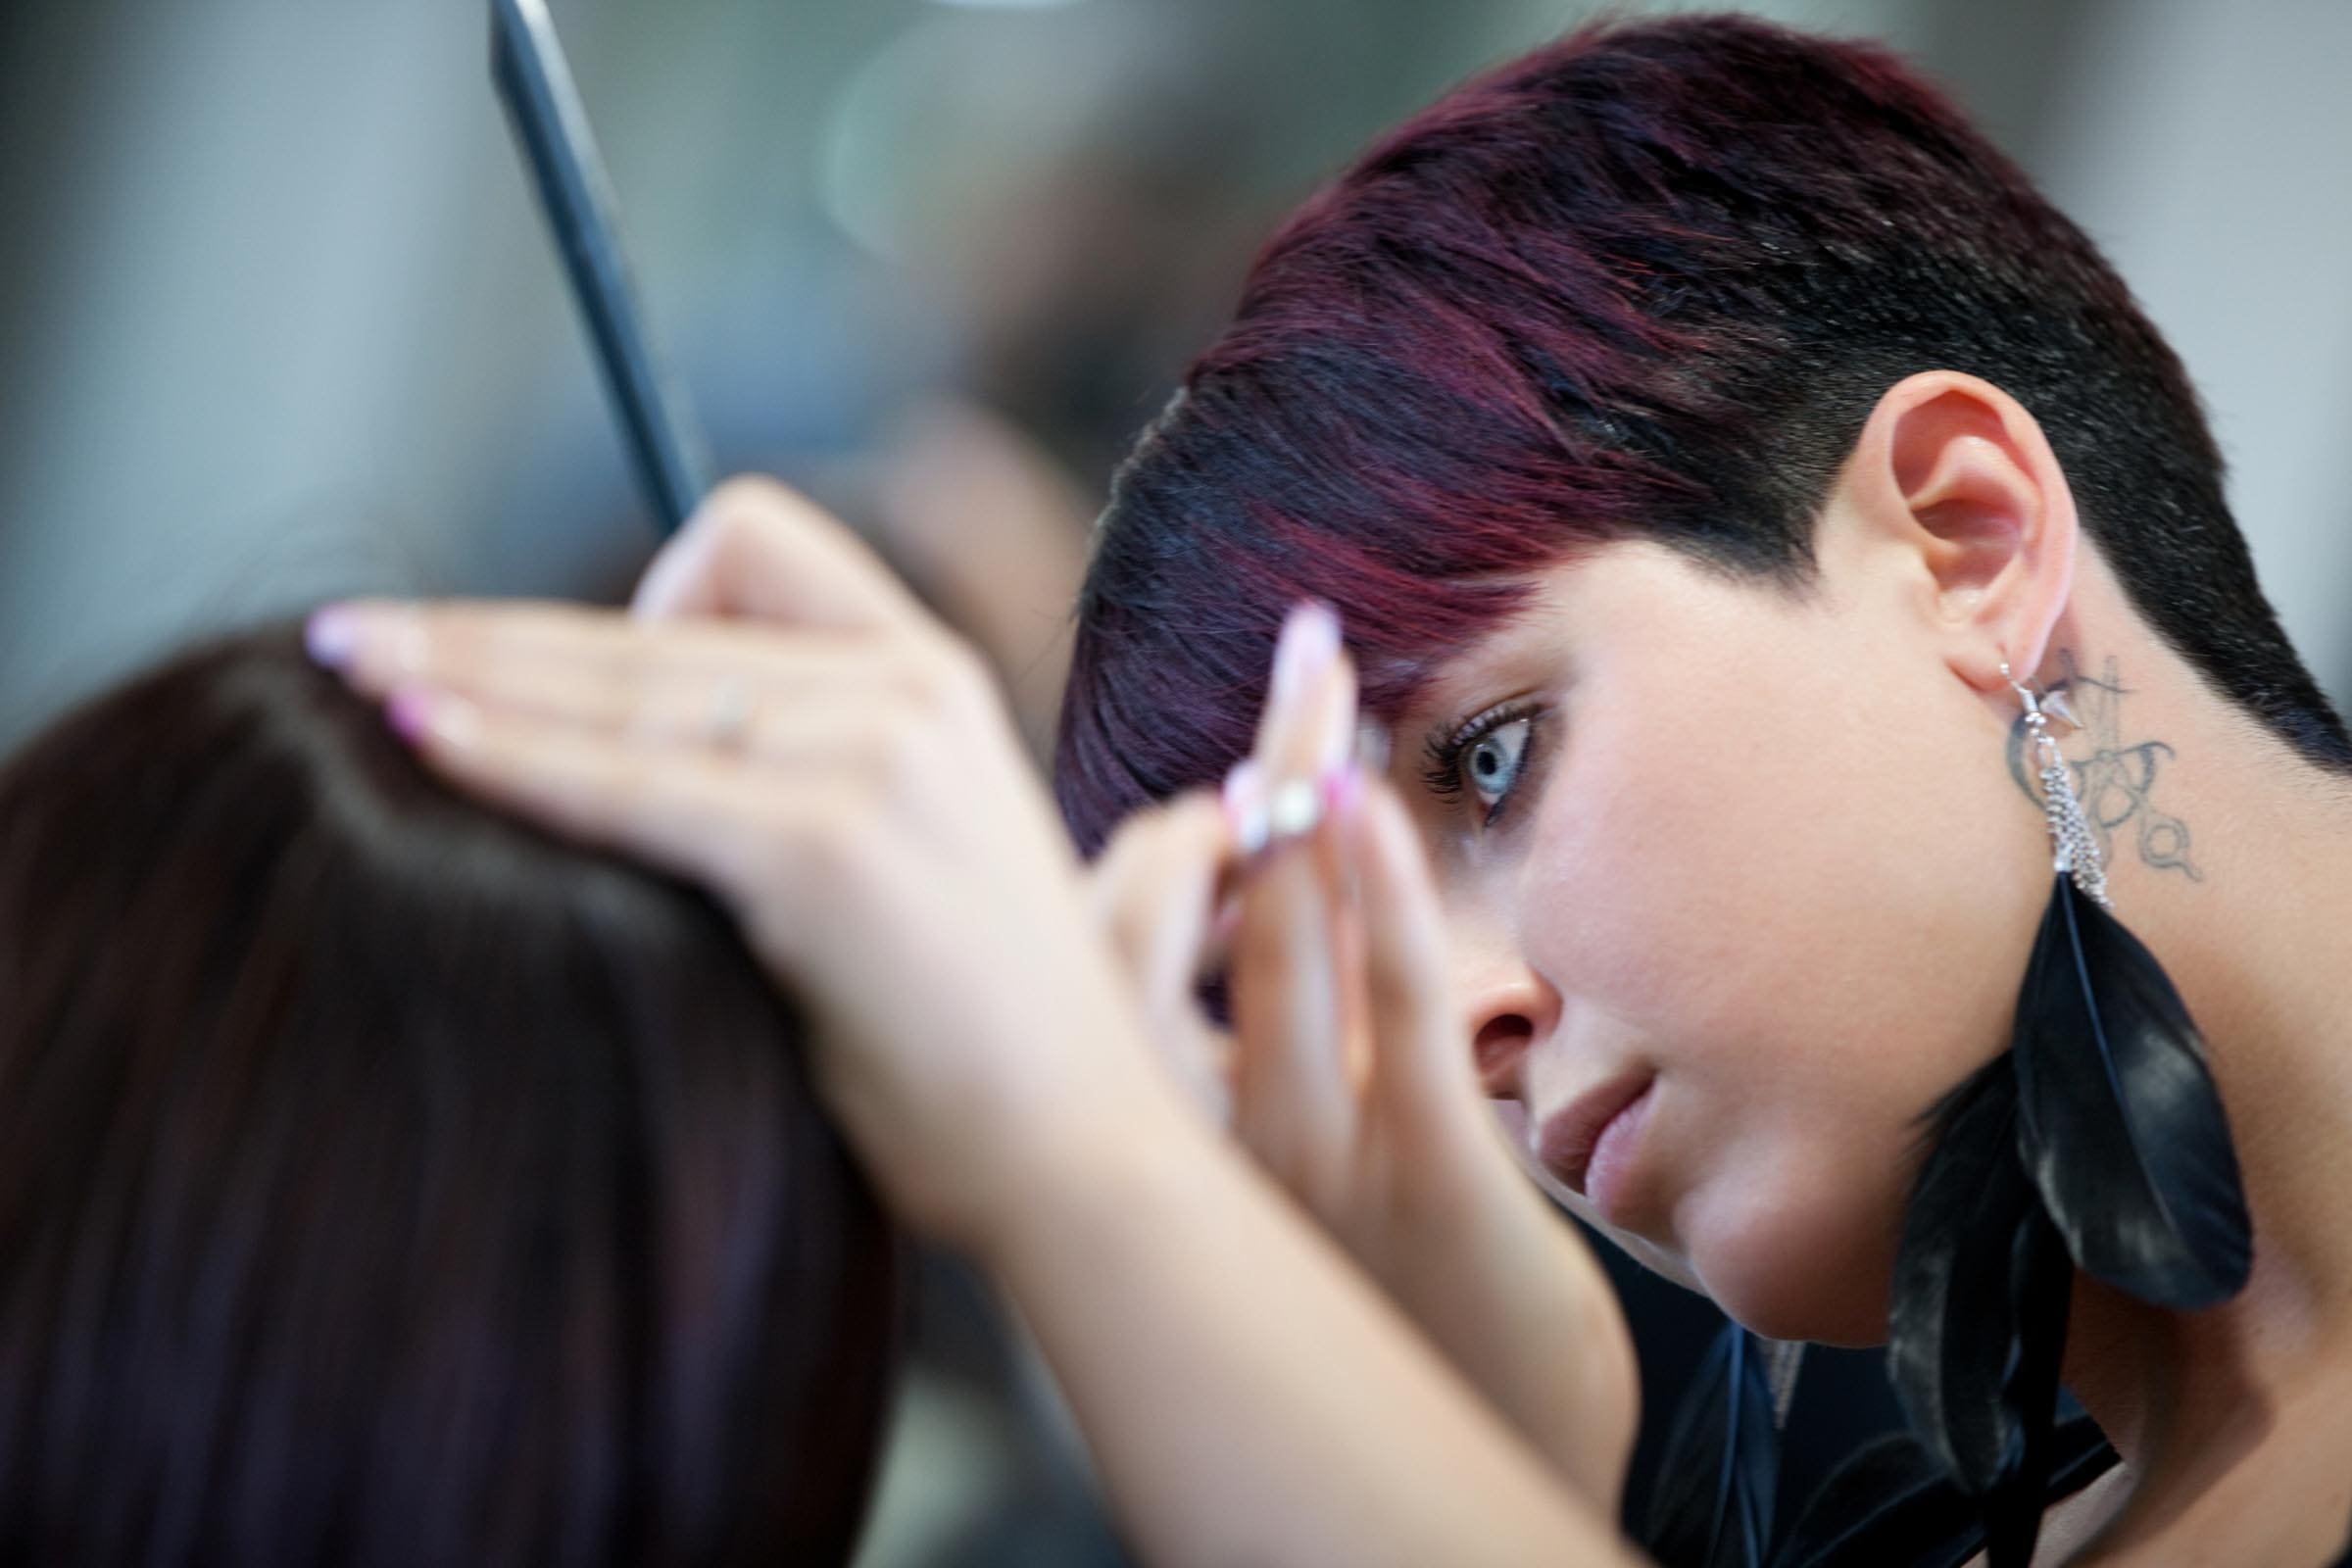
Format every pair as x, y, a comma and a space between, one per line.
1847, 729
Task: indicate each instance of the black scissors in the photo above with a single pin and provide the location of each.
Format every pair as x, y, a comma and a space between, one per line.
535, 83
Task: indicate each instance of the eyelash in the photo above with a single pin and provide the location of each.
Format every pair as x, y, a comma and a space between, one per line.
1444, 753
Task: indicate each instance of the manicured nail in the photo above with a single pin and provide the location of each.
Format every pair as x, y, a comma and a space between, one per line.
1342, 789
1311, 640
330, 635
1241, 783
410, 712
660, 587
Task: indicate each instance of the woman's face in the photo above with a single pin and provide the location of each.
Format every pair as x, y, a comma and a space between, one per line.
1756, 859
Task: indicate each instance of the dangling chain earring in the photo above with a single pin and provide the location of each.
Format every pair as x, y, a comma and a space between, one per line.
2097, 1142
2076, 849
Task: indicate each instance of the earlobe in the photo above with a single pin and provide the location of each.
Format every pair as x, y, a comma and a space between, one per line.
1962, 473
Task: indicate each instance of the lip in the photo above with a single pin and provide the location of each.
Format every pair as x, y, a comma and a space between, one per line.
1573, 1134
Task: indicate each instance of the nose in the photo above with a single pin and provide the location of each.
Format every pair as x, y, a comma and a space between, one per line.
1512, 1007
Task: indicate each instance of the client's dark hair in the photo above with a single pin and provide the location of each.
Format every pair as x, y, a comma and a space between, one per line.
383, 1181
1647, 282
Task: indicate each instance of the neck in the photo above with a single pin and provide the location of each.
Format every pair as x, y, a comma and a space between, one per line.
2235, 868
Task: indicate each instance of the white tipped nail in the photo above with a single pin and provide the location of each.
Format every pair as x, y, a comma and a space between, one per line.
1311, 640
330, 635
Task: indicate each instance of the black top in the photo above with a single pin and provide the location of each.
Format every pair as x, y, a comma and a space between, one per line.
1889, 1505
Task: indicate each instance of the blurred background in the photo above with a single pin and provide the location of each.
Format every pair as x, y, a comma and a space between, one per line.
278, 322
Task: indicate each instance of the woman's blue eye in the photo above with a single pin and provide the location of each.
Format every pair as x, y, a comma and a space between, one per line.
1491, 763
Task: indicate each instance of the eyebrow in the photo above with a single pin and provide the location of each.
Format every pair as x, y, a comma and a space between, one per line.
1446, 681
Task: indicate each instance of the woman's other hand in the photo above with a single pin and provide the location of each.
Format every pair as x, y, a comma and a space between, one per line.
780, 721
1348, 1074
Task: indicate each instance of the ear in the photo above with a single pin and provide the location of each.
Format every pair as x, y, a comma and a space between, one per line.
1955, 469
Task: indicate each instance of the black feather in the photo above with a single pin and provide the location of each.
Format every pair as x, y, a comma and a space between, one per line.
2122, 1128
1950, 1310
1977, 1312
1712, 1506
2041, 1278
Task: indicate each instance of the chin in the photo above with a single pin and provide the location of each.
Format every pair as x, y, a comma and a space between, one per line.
1794, 1271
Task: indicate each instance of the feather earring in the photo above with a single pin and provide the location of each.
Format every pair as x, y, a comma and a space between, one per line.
1722, 1463
2121, 1125
2097, 1141
1976, 1315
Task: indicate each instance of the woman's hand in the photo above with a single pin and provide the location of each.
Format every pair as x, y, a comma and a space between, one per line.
1348, 1074
782, 722
844, 777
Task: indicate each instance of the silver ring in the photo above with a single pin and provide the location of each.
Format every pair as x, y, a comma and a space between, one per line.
729, 718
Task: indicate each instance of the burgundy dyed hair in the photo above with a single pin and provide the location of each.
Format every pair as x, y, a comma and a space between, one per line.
385, 1182
1649, 282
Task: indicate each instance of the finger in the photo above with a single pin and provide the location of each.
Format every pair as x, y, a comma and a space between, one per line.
1309, 719
1155, 892
683, 812
1293, 1107
1422, 1064
590, 667
1304, 739
759, 551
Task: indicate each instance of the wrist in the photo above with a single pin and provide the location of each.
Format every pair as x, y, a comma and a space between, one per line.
1093, 1165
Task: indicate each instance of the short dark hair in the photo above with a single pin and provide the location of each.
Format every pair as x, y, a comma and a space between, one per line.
1648, 281
384, 1181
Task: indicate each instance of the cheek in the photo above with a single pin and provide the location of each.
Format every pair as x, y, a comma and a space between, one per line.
1810, 963
1673, 894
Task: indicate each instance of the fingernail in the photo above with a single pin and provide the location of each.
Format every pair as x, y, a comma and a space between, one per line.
1240, 782
410, 712
1342, 789
658, 588
1311, 640
330, 635
1372, 745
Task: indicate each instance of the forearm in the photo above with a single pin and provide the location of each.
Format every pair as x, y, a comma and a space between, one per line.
1247, 1396
1515, 1300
